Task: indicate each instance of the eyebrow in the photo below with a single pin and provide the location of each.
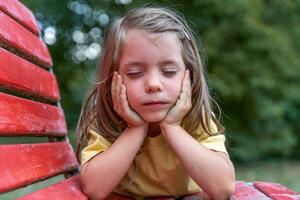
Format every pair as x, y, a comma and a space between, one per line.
162, 63
134, 63
169, 62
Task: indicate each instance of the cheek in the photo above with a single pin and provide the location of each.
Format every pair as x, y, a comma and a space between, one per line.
175, 91
133, 96
175, 87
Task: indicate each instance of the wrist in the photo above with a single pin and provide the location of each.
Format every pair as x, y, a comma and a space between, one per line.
143, 129
165, 126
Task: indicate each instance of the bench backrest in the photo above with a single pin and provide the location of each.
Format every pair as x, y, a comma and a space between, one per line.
29, 105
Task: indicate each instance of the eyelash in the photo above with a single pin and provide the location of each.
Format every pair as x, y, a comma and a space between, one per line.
168, 73
134, 74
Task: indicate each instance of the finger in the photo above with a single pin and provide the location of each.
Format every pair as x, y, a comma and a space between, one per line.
187, 78
113, 90
123, 97
118, 90
184, 87
116, 98
189, 84
187, 90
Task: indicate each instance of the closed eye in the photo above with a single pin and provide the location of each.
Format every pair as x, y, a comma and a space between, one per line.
170, 72
134, 74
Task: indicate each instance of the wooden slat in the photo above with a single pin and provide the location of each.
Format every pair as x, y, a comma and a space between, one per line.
276, 191
20, 116
272, 188
69, 189
247, 192
20, 13
18, 74
23, 164
15, 37
285, 196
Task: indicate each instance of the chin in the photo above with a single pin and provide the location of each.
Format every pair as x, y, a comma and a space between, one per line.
154, 117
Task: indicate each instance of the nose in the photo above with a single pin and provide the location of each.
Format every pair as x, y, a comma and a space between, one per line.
153, 83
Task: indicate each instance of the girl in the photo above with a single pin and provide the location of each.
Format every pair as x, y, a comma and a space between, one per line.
147, 128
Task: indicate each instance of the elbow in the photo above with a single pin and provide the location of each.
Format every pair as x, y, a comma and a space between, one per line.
224, 193
226, 188
93, 191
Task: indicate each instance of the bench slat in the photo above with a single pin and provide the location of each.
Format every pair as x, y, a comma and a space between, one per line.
68, 189
20, 13
276, 191
17, 74
285, 196
20, 116
71, 188
23, 164
24, 42
247, 192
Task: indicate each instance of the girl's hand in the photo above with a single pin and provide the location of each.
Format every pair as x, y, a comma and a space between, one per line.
120, 103
183, 104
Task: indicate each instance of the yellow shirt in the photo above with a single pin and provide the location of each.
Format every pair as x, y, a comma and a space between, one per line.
157, 172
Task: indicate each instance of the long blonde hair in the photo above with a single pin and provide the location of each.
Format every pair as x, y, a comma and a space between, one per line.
97, 109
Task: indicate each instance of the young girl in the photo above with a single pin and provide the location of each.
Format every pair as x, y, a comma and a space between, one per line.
147, 128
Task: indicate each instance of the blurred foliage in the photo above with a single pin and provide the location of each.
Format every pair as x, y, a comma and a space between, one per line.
252, 62
285, 172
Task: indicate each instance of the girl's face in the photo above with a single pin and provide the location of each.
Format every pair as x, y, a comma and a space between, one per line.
152, 68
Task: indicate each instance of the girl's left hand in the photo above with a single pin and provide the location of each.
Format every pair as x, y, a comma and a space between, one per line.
183, 104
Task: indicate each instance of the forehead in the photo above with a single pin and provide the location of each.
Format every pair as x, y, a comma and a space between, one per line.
132, 35
142, 46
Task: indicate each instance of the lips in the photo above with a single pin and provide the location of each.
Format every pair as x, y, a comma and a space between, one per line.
154, 103
154, 106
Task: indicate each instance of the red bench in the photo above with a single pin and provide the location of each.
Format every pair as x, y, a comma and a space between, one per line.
29, 107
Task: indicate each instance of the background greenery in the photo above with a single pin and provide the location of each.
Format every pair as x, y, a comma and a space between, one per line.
252, 59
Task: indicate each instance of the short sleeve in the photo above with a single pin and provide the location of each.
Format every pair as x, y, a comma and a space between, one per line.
214, 142
96, 145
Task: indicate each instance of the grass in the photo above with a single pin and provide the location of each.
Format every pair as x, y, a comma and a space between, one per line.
284, 172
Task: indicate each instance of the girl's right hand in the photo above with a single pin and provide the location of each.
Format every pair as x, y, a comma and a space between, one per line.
120, 103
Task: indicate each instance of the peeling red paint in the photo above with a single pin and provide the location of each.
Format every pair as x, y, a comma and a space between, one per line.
15, 36
20, 116
20, 13
245, 191
276, 191
23, 164
18, 74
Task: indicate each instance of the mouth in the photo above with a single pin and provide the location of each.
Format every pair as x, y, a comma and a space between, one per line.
155, 105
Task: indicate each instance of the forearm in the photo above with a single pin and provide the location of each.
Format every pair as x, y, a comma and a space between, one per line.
104, 172
211, 171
